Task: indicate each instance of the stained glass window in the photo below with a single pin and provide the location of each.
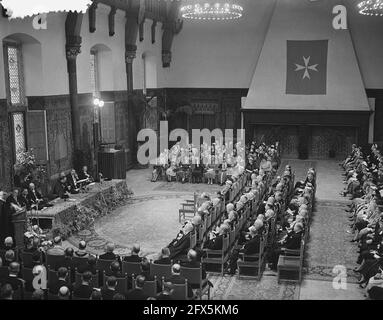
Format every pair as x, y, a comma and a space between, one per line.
19, 132
15, 75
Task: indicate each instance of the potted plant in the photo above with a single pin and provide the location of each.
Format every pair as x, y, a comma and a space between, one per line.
27, 168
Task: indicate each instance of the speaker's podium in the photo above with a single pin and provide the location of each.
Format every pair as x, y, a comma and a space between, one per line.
112, 164
18, 220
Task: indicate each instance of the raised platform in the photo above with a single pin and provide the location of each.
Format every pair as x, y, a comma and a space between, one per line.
66, 212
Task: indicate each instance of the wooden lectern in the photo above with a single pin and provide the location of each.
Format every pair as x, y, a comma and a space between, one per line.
18, 220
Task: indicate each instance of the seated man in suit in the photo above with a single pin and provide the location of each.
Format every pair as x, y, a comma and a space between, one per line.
251, 246
145, 272
57, 249
176, 278
114, 270
81, 252
89, 266
13, 279
164, 257
215, 241
62, 281
109, 290
61, 189
13, 200
84, 175
35, 198
134, 257
24, 200
84, 290
137, 293
109, 254
292, 241
72, 179
167, 292
193, 262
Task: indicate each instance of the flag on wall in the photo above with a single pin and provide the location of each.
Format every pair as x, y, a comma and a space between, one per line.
306, 67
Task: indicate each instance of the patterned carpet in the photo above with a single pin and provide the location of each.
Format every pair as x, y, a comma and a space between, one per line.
187, 187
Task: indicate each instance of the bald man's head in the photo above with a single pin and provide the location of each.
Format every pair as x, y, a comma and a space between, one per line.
192, 255
110, 247
64, 292
176, 268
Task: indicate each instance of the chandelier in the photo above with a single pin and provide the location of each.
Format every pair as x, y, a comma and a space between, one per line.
211, 10
371, 7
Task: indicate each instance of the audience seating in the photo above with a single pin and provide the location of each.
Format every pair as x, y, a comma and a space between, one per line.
26, 257
79, 261
180, 291
290, 265
131, 268
160, 270
251, 265
94, 281
150, 287
122, 283
218, 257
194, 278
54, 262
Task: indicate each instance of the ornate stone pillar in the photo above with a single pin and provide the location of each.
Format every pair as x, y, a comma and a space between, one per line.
130, 55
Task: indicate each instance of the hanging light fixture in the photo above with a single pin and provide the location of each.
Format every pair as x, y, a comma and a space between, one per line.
371, 7
212, 10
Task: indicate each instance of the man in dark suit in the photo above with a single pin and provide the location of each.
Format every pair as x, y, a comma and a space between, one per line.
24, 200
84, 290
89, 266
145, 272
176, 278
72, 179
251, 246
14, 280
134, 257
166, 293
137, 293
61, 190
216, 241
62, 281
292, 241
164, 259
109, 254
6, 227
35, 198
13, 198
109, 290
114, 270
193, 262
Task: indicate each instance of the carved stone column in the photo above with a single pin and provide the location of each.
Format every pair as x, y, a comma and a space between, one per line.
130, 55
73, 48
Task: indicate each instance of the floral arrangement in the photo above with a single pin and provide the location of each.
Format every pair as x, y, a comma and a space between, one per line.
26, 165
83, 216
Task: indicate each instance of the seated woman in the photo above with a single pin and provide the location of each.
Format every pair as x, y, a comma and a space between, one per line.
210, 173
171, 172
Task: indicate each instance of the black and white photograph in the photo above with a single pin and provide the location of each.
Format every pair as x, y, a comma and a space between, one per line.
203, 152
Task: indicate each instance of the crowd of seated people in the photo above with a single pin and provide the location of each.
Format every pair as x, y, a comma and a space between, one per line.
214, 165
364, 183
76, 280
27, 197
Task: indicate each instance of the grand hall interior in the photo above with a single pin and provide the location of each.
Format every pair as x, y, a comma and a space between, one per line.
192, 150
